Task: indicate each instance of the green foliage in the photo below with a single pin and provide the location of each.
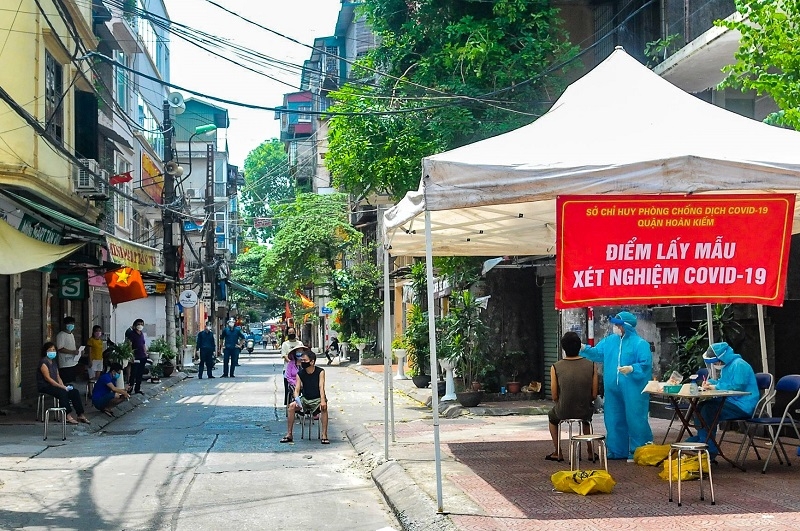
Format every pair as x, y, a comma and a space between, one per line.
121, 353
460, 271
312, 236
247, 271
354, 290
267, 183
658, 50
160, 344
511, 363
399, 343
689, 354
419, 351
433, 50
766, 61
465, 337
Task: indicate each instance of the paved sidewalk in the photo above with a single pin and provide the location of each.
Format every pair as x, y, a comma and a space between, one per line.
495, 478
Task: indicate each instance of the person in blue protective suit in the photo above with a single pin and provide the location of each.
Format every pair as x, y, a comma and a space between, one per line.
735, 374
627, 367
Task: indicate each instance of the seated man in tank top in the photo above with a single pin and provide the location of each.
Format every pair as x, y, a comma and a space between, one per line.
309, 393
573, 384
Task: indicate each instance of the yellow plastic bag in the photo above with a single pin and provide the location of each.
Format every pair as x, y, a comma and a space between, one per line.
690, 468
583, 481
651, 454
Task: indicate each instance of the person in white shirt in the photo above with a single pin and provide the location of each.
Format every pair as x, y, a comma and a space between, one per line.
68, 354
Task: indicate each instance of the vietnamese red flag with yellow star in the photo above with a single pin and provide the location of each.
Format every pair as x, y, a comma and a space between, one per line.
125, 284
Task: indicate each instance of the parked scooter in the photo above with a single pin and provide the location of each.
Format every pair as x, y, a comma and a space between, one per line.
250, 345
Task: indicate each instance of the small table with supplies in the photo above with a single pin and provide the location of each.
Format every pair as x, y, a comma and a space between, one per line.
686, 415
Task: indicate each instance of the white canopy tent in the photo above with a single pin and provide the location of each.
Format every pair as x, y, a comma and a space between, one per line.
620, 129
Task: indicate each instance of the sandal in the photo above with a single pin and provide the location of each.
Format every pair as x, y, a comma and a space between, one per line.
325, 441
72, 421
551, 457
84, 420
287, 439
109, 413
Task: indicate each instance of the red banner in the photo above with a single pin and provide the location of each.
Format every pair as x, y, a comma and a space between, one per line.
617, 250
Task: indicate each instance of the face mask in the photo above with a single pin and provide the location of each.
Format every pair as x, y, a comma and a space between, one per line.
208, 327
115, 377
618, 331
70, 327
305, 364
718, 366
292, 336
140, 327
51, 354
231, 323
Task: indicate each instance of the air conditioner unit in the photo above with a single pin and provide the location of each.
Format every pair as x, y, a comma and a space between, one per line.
195, 193
85, 182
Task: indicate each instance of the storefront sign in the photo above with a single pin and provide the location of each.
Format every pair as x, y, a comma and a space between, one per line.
141, 257
616, 250
72, 287
39, 231
152, 179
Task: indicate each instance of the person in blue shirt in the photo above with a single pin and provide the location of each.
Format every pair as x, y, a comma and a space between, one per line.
735, 374
627, 367
206, 347
232, 338
106, 395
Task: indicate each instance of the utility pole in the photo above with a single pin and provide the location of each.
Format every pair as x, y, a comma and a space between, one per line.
168, 218
211, 270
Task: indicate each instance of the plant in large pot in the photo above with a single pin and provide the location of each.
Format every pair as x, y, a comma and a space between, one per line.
167, 355
418, 347
465, 337
512, 363
121, 353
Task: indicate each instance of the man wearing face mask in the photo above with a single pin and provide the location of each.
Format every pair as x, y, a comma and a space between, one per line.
627, 367
106, 395
290, 343
68, 355
135, 334
729, 372
206, 348
231, 337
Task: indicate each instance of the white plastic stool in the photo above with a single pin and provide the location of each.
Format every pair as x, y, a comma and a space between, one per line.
591, 438
62, 411
570, 423
41, 405
700, 449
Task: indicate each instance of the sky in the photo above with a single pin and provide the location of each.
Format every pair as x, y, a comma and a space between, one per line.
196, 69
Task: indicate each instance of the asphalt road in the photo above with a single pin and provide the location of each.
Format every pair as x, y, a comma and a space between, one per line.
204, 455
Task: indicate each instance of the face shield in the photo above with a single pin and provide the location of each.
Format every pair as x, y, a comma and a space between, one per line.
713, 363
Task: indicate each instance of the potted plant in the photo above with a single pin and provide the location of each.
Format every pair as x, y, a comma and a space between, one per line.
418, 347
121, 353
465, 337
512, 362
166, 355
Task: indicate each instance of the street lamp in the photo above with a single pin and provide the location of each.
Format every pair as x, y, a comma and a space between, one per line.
199, 130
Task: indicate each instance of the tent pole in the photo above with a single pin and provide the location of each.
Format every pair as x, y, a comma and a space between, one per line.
762, 336
387, 354
710, 317
432, 339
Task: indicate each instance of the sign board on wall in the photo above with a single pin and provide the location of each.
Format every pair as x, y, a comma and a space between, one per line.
615, 250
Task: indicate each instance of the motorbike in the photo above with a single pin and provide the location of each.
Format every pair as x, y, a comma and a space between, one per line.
250, 345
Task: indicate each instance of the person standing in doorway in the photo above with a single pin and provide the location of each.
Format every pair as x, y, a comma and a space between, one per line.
68, 354
135, 334
96, 346
231, 341
206, 347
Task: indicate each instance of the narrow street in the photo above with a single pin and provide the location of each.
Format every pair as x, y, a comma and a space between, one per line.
205, 454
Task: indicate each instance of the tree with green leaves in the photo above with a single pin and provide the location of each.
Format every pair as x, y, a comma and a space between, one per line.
247, 271
452, 73
766, 61
354, 291
312, 236
267, 183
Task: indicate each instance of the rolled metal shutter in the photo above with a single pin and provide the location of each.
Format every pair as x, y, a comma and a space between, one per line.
551, 326
5, 341
32, 319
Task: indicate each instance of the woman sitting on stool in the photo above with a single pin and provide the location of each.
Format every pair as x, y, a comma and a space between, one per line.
49, 382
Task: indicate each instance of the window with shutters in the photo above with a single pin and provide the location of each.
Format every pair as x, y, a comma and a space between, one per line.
54, 86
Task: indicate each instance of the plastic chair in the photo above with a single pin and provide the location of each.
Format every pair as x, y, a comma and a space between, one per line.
766, 384
701, 449
790, 386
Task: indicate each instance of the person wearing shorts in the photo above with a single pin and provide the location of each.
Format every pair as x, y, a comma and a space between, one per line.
96, 346
106, 394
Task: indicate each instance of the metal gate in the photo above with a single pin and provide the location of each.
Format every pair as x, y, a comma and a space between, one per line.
32, 322
5, 340
551, 327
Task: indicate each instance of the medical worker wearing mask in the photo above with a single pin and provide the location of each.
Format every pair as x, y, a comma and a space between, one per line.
627, 367
728, 372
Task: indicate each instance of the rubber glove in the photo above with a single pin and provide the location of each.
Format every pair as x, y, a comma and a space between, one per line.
626, 369
69, 388
297, 401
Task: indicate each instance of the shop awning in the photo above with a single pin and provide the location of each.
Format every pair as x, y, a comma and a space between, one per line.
247, 289
23, 253
56, 216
